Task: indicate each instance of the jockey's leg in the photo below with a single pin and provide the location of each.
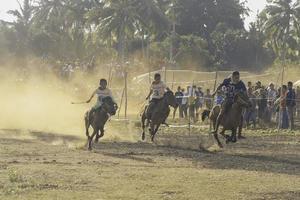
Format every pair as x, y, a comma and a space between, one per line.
224, 108
93, 110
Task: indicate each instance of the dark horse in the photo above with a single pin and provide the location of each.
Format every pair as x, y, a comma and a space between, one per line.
99, 119
231, 120
159, 114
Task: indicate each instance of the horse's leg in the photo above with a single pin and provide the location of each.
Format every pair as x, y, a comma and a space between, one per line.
90, 141
101, 135
87, 125
240, 136
218, 141
154, 133
233, 136
143, 126
223, 134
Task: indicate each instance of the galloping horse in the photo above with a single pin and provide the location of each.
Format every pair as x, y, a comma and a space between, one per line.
231, 120
98, 120
159, 114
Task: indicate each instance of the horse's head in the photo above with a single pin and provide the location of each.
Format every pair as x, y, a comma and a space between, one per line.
170, 99
242, 99
109, 106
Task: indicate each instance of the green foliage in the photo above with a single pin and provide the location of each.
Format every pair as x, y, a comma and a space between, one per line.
208, 33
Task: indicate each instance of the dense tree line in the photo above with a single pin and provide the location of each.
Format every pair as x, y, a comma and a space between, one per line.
206, 33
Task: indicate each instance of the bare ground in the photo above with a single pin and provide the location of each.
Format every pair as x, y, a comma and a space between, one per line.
36, 165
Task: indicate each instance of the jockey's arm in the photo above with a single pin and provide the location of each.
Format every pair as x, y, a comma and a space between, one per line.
149, 95
92, 96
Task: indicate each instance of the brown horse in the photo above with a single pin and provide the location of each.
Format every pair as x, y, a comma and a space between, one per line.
231, 120
98, 120
159, 114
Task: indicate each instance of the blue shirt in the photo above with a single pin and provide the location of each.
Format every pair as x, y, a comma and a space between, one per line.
232, 89
291, 98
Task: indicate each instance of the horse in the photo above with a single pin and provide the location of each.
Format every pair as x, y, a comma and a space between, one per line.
231, 119
98, 120
159, 115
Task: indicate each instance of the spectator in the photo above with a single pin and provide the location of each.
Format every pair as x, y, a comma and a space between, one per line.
249, 85
291, 104
298, 101
258, 85
262, 105
199, 102
208, 100
250, 114
272, 96
283, 114
179, 95
218, 98
184, 104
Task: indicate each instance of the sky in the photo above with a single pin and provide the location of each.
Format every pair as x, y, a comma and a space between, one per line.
254, 6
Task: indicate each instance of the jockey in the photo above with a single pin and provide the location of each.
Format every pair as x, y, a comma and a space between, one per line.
232, 86
101, 93
157, 91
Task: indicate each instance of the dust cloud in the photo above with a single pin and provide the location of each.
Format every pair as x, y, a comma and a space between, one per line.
36, 99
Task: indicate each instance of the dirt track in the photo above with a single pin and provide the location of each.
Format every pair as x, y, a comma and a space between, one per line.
37, 165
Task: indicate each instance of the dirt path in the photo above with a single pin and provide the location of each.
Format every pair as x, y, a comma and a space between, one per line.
37, 165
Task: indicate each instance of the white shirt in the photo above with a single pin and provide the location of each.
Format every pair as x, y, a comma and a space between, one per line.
272, 94
102, 94
158, 90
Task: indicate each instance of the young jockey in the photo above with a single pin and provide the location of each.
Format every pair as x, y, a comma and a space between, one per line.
232, 85
101, 93
157, 91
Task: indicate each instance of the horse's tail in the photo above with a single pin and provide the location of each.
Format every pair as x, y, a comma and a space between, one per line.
205, 114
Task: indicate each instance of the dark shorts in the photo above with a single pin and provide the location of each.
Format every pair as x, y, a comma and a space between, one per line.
155, 101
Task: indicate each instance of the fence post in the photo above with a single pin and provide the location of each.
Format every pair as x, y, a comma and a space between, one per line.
126, 94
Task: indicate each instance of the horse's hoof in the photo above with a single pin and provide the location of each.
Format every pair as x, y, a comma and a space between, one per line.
234, 140
143, 136
89, 148
152, 138
242, 138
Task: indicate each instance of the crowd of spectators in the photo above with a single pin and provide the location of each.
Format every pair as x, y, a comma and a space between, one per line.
271, 106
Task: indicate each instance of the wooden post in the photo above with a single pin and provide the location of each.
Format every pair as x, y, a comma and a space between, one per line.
215, 87
110, 76
173, 80
126, 94
121, 103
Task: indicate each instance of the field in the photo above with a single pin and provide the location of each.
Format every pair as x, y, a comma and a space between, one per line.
39, 165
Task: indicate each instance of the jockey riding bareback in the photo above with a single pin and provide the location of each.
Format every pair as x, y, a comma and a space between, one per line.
157, 91
232, 86
101, 93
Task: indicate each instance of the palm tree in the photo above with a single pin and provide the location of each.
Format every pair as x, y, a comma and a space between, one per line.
127, 19
282, 19
23, 22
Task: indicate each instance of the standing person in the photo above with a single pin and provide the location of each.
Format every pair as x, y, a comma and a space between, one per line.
101, 93
157, 91
184, 104
208, 100
233, 85
178, 95
283, 114
250, 114
291, 104
272, 96
298, 101
192, 98
249, 85
199, 102
258, 85
262, 105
